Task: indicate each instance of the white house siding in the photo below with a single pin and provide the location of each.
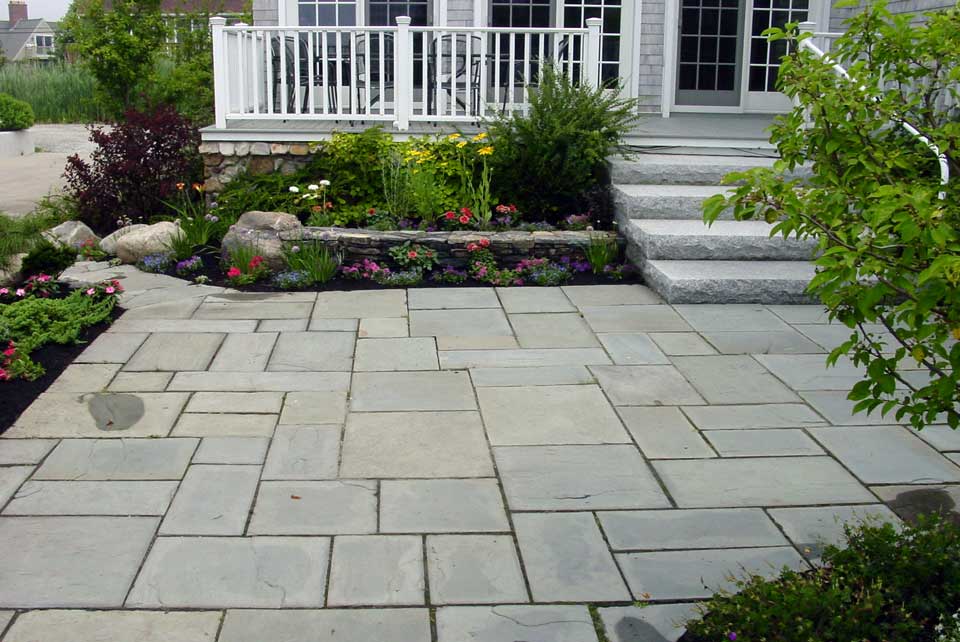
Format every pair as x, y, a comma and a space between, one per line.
919, 7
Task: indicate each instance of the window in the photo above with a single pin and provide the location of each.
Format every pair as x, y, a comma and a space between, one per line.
327, 13
577, 12
385, 12
520, 13
44, 45
765, 56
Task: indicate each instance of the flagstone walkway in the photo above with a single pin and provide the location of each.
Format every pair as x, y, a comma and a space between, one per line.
443, 465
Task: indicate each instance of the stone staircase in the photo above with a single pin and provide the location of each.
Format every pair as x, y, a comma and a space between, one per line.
657, 199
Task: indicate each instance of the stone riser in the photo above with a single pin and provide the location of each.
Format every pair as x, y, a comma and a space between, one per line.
667, 169
655, 202
694, 241
768, 282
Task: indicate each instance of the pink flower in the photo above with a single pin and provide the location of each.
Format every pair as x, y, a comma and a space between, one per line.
21, 292
3, 375
411, 254
472, 247
91, 291
450, 216
110, 289
4, 291
464, 219
233, 273
43, 278
484, 242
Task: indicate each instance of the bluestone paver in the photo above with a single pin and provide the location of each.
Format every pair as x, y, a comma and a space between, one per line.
393, 391
687, 575
760, 481
583, 296
441, 506
682, 343
460, 359
124, 459
315, 508
232, 450
524, 416
810, 371
645, 385
85, 377
118, 415
71, 561
11, 477
801, 313
227, 572
415, 444
741, 417
515, 622
838, 410
566, 558
651, 530
943, 438
140, 382
762, 342
731, 379
360, 305
474, 569
552, 330
887, 455
731, 318
212, 500
224, 425
811, 528
577, 478
303, 452
542, 376
632, 348
327, 625
313, 352
909, 502
334, 325
534, 299
376, 570
759, 443
647, 623
24, 451
92, 626
386, 355
664, 433
254, 309
177, 309
175, 352
483, 323
241, 402
314, 408
245, 352
260, 381
92, 498
5, 618
283, 325
189, 326
634, 318
383, 328
112, 347
451, 298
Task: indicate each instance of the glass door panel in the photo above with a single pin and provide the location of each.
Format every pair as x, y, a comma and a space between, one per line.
708, 71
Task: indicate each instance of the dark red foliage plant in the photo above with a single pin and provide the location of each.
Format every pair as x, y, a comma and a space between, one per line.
134, 169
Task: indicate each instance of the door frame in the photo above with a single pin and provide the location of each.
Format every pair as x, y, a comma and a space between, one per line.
750, 102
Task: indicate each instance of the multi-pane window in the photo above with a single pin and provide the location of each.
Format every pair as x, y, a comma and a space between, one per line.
520, 13
765, 56
386, 12
327, 13
709, 31
577, 12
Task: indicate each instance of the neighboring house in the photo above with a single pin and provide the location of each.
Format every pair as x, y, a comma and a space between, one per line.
23, 38
343, 60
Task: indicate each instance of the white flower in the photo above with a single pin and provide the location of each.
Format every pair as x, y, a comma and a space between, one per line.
325, 183
313, 188
294, 189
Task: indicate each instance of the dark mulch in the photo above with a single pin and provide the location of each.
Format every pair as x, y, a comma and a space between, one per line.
16, 395
214, 271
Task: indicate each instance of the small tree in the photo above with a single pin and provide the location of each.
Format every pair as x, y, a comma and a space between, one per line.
889, 242
119, 45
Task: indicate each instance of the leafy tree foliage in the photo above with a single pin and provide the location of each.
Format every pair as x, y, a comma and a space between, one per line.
889, 242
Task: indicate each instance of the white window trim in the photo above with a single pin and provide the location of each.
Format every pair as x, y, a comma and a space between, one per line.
290, 18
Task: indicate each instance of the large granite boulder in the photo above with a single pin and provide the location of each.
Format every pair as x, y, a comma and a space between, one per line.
10, 274
71, 234
109, 242
152, 239
262, 231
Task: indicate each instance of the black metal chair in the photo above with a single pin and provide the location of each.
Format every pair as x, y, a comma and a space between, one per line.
298, 77
510, 81
368, 78
453, 66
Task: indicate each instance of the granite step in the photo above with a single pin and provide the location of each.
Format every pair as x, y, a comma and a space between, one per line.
682, 169
665, 201
771, 282
691, 240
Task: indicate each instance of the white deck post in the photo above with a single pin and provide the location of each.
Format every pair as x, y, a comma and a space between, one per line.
403, 74
221, 99
593, 51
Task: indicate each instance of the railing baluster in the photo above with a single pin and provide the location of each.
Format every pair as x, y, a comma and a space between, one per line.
337, 67
325, 75
468, 73
311, 58
382, 48
268, 52
425, 72
496, 69
512, 73
526, 68
282, 50
354, 109
295, 45
367, 67
437, 65
482, 89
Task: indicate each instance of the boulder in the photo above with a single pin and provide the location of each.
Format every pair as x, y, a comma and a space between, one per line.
71, 234
109, 242
10, 274
152, 239
262, 230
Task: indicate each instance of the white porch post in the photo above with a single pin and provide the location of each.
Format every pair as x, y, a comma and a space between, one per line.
221, 98
403, 73
593, 51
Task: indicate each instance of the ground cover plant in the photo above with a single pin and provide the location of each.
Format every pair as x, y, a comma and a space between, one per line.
885, 584
888, 230
21, 234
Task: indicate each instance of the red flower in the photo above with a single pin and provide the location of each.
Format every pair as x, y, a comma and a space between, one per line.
328, 205
233, 273
484, 242
464, 219
472, 247
466, 211
411, 254
450, 216
513, 208
371, 211
255, 262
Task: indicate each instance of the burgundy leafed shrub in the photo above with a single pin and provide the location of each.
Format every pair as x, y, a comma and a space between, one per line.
134, 169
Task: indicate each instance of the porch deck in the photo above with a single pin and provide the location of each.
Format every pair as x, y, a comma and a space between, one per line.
728, 131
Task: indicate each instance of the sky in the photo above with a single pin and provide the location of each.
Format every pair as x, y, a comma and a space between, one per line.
47, 9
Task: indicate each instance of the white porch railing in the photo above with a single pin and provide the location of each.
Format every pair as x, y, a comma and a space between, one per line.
398, 74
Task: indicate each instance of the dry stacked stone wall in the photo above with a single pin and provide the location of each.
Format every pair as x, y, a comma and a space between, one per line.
223, 161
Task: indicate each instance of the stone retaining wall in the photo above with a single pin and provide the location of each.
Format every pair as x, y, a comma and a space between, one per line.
223, 161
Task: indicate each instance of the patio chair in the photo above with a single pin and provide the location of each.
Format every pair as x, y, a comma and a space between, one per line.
454, 70
295, 79
509, 82
367, 79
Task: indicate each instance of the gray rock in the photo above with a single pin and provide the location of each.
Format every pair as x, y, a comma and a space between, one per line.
151, 239
71, 234
11, 274
261, 230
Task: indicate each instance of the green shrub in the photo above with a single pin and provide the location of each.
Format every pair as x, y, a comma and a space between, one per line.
47, 258
58, 93
885, 585
14, 114
20, 234
889, 245
547, 159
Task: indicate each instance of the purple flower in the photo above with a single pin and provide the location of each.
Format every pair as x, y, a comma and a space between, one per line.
731, 636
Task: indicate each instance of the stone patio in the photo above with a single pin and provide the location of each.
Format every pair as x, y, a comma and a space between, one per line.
435, 465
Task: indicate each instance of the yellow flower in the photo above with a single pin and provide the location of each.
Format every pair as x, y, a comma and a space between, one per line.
453, 136
479, 137
461, 144
956, 333
485, 151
